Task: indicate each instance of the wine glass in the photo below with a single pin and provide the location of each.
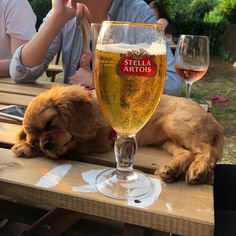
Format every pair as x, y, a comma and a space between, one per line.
129, 77
192, 59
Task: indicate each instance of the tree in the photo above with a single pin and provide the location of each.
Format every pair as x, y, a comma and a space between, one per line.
41, 8
224, 12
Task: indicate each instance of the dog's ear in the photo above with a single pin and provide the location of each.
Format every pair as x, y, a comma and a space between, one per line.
74, 104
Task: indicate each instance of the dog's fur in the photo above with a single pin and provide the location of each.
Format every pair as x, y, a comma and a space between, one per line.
68, 117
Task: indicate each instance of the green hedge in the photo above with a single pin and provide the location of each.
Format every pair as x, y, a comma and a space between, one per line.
41, 8
203, 17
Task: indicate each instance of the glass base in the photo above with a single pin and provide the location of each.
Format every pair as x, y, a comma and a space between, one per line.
132, 185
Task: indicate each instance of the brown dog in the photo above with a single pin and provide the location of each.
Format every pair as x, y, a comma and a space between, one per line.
65, 118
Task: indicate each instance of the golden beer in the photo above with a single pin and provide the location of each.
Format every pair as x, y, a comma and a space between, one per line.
129, 83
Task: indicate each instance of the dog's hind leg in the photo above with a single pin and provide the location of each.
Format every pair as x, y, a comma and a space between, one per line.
175, 168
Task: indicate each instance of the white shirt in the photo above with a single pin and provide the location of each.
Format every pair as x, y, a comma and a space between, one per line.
18, 20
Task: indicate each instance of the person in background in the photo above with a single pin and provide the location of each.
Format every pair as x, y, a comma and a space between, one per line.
163, 18
17, 26
66, 27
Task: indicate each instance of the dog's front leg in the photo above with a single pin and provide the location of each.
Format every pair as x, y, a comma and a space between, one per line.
177, 167
24, 148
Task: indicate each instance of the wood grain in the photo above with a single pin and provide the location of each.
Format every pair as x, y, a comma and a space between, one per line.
180, 208
15, 99
147, 159
8, 133
21, 89
37, 83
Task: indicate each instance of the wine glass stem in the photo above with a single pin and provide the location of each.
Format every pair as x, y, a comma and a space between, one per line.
188, 90
125, 149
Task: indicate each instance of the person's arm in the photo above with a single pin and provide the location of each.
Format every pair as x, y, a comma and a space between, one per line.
4, 67
33, 53
4, 63
31, 60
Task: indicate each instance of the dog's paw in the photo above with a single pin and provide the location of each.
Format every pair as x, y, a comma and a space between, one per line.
169, 173
23, 150
199, 172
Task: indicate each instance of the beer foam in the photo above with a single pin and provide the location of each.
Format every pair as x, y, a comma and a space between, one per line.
153, 49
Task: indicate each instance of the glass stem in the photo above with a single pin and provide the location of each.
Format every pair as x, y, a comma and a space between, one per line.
125, 149
188, 90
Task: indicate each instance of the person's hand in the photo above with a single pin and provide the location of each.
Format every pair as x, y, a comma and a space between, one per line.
64, 8
82, 77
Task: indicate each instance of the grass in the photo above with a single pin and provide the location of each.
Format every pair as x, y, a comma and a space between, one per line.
221, 80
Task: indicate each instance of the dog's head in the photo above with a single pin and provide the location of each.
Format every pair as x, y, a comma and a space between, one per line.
57, 119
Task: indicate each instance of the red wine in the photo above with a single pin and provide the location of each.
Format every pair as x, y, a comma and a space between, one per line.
190, 74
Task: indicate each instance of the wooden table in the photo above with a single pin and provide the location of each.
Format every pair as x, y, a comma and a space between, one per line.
173, 47
27, 184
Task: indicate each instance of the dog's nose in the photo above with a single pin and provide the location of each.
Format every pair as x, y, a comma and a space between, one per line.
48, 144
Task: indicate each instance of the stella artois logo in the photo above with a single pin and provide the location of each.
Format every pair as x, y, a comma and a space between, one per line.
137, 62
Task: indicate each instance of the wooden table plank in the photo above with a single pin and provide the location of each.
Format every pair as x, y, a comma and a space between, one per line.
9, 120
15, 99
173, 48
147, 159
180, 208
8, 133
21, 89
38, 83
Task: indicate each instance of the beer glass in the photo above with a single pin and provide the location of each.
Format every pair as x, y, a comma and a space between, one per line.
95, 29
129, 77
192, 58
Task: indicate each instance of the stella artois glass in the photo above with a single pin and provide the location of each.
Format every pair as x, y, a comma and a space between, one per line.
129, 77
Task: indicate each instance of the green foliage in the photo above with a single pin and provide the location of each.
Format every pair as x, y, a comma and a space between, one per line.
224, 12
41, 8
178, 9
203, 17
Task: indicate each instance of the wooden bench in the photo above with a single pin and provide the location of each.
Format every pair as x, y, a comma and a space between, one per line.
33, 192
173, 48
54, 67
